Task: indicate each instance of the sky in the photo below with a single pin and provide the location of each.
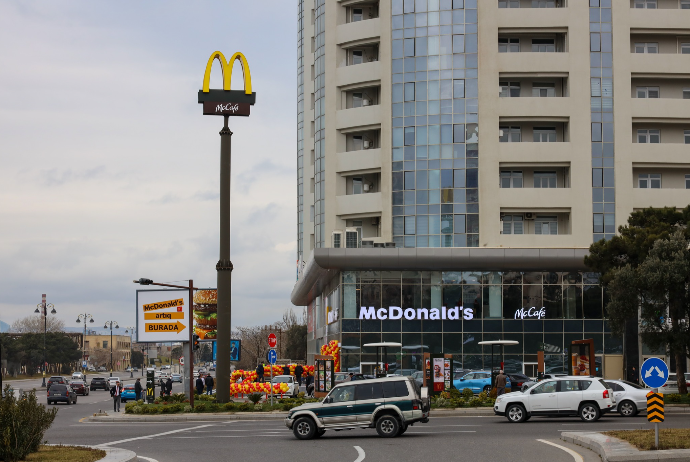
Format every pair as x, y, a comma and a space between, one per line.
109, 171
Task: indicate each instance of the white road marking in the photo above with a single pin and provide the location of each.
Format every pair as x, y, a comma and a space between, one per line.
577, 457
146, 458
360, 453
154, 435
451, 431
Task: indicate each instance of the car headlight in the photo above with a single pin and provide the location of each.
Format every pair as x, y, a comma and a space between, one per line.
499, 399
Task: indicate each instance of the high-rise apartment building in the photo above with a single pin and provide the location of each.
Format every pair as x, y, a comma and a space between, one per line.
466, 153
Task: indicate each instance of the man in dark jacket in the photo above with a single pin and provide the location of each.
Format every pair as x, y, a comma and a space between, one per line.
168, 386
501, 381
260, 373
299, 370
137, 389
209, 384
199, 385
116, 393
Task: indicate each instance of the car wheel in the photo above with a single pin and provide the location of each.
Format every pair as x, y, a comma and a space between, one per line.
627, 409
387, 426
589, 412
304, 428
68, 402
403, 429
516, 413
487, 389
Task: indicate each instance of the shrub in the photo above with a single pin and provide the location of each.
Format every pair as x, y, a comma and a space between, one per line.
140, 402
441, 401
493, 393
455, 393
200, 407
129, 407
214, 407
287, 406
673, 398
301, 395
467, 394
244, 407
136, 410
475, 402
229, 406
255, 397
188, 408
23, 423
509, 390
482, 396
165, 409
458, 402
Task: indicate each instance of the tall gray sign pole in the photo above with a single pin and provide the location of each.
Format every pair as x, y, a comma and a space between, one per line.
224, 271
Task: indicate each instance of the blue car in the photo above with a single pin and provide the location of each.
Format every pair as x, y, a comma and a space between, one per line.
128, 394
477, 381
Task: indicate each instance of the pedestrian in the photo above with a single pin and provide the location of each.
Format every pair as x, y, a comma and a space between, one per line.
168, 386
199, 385
162, 384
286, 370
299, 370
116, 393
137, 389
632, 376
260, 373
209, 384
501, 380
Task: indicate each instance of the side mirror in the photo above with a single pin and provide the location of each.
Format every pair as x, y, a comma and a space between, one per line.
326, 400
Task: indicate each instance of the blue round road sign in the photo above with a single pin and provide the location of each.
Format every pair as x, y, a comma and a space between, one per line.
654, 373
272, 356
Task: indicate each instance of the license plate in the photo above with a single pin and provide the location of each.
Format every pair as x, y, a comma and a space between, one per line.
58, 394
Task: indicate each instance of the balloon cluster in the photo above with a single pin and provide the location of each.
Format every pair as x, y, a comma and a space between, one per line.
246, 388
251, 376
332, 348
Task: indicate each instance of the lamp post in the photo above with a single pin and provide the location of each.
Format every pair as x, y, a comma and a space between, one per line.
84, 316
127, 330
110, 324
43, 309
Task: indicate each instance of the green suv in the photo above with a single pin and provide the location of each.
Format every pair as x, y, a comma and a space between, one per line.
389, 404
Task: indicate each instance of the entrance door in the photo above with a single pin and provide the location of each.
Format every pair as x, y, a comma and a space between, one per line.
530, 369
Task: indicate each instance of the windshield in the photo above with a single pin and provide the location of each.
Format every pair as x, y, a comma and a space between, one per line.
282, 380
631, 384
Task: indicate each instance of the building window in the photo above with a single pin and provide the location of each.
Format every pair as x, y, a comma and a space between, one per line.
544, 134
546, 225
509, 89
687, 181
336, 240
513, 224
544, 179
543, 90
646, 47
649, 136
508, 45
509, 134
511, 179
543, 3
357, 14
357, 185
685, 4
357, 56
357, 143
685, 48
686, 93
356, 100
543, 45
409, 136
509, 3
648, 4
649, 180
647, 92
687, 136
409, 91
105, 344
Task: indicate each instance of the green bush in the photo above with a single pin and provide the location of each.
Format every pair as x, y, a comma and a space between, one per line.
255, 397
23, 423
244, 407
188, 408
467, 394
200, 407
493, 393
301, 395
455, 393
475, 402
287, 406
129, 407
165, 409
458, 402
229, 406
673, 398
214, 407
482, 397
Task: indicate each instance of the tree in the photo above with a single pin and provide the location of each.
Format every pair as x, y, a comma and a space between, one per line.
647, 268
36, 324
100, 357
137, 358
177, 352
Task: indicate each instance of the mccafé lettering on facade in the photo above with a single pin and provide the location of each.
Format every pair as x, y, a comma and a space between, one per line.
395, 312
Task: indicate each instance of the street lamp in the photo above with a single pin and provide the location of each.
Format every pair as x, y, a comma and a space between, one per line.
110, 324
127, 330
84, 316
42, 308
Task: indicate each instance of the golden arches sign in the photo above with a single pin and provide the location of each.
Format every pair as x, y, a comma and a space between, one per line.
226, 68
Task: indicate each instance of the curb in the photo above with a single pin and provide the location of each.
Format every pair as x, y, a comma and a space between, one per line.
111, 454
614, 450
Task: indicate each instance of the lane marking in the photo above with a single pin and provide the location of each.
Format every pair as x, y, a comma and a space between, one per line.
577, 457
146, 458
360, 453
450, 431
147, 437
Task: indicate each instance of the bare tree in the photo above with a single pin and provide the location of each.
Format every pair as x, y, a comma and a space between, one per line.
100, 357
35, 324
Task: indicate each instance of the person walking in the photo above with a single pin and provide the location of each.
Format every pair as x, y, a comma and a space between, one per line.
501, 380
299, 370
260, 373
168, 386
116, 393
209, 384
137, 389
286, 370
632, 376
199, 385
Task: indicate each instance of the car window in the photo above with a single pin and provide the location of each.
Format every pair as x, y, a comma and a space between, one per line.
468, 377
369, 391
606, 385
584, 384
633, 385
343, 394
482, 375
615, 387
545, 387
568, 385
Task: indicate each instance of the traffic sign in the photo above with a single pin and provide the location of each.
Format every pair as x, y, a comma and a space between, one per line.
655, 407
83, 364
181, 360
272, 340
272, 356
654, 372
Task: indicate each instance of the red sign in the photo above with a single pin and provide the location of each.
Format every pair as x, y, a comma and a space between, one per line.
272, 340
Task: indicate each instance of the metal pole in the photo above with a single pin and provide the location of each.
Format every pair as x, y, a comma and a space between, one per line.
224, 270
656, 428
111, 349
190, 358
45, 332
271, 366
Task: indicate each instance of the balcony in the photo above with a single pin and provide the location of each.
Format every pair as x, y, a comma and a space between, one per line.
367, 73
526, 16
366, 159
560, 108
358, 117
534, 63
660, 108
661, 19
358, 33
532, 176
362, 140
557, 199
356, 204
521, 153
659, 198
659, 154
363, 183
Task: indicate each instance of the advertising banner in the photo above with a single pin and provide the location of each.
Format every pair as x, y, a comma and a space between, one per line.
162, 315
438, 373
235, 350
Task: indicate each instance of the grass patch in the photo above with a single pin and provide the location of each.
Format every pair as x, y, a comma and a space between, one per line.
65, 454
669, 438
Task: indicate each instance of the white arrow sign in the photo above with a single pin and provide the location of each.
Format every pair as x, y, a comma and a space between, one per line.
659, 373
648, 373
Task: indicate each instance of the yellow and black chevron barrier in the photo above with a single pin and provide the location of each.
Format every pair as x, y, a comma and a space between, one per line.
655, 407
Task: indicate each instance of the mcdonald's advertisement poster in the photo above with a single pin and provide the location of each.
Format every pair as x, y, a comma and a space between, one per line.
163, 315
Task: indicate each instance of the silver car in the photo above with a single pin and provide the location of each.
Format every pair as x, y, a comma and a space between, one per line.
671, 385
631, 397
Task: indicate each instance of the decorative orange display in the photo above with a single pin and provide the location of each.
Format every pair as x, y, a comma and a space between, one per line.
332, 348
251, 376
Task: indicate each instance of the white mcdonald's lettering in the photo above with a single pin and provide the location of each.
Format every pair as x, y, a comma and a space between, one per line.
231, 107
395, 312
530, 313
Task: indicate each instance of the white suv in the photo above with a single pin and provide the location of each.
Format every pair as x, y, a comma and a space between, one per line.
587, 397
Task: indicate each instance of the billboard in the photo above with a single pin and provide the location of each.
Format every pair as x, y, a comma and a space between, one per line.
163, 315
235, 349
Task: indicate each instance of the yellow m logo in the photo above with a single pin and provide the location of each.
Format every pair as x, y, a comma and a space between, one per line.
226, 68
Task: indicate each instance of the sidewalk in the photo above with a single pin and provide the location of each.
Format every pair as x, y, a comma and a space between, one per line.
614, 450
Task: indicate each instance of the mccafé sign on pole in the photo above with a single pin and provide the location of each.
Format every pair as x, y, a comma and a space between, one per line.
226, 103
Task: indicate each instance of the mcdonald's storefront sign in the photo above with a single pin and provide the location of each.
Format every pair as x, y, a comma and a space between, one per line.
227, 102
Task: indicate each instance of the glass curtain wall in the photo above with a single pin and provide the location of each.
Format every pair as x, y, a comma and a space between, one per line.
300, 130
319, 123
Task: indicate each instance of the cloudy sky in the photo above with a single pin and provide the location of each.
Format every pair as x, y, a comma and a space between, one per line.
109, 170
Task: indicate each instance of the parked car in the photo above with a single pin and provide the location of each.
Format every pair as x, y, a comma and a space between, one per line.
527, 385
176, 378
418, 377
671, 385
128, 393
135, 369
80, 387
631, 398
91, 369
77, 376
102, 369
99, 382
388, 404
341, 377
290, 380
113, 380
128, 369
61, 392
477, 381
212, 368
516, 380
57, 379
586, 397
